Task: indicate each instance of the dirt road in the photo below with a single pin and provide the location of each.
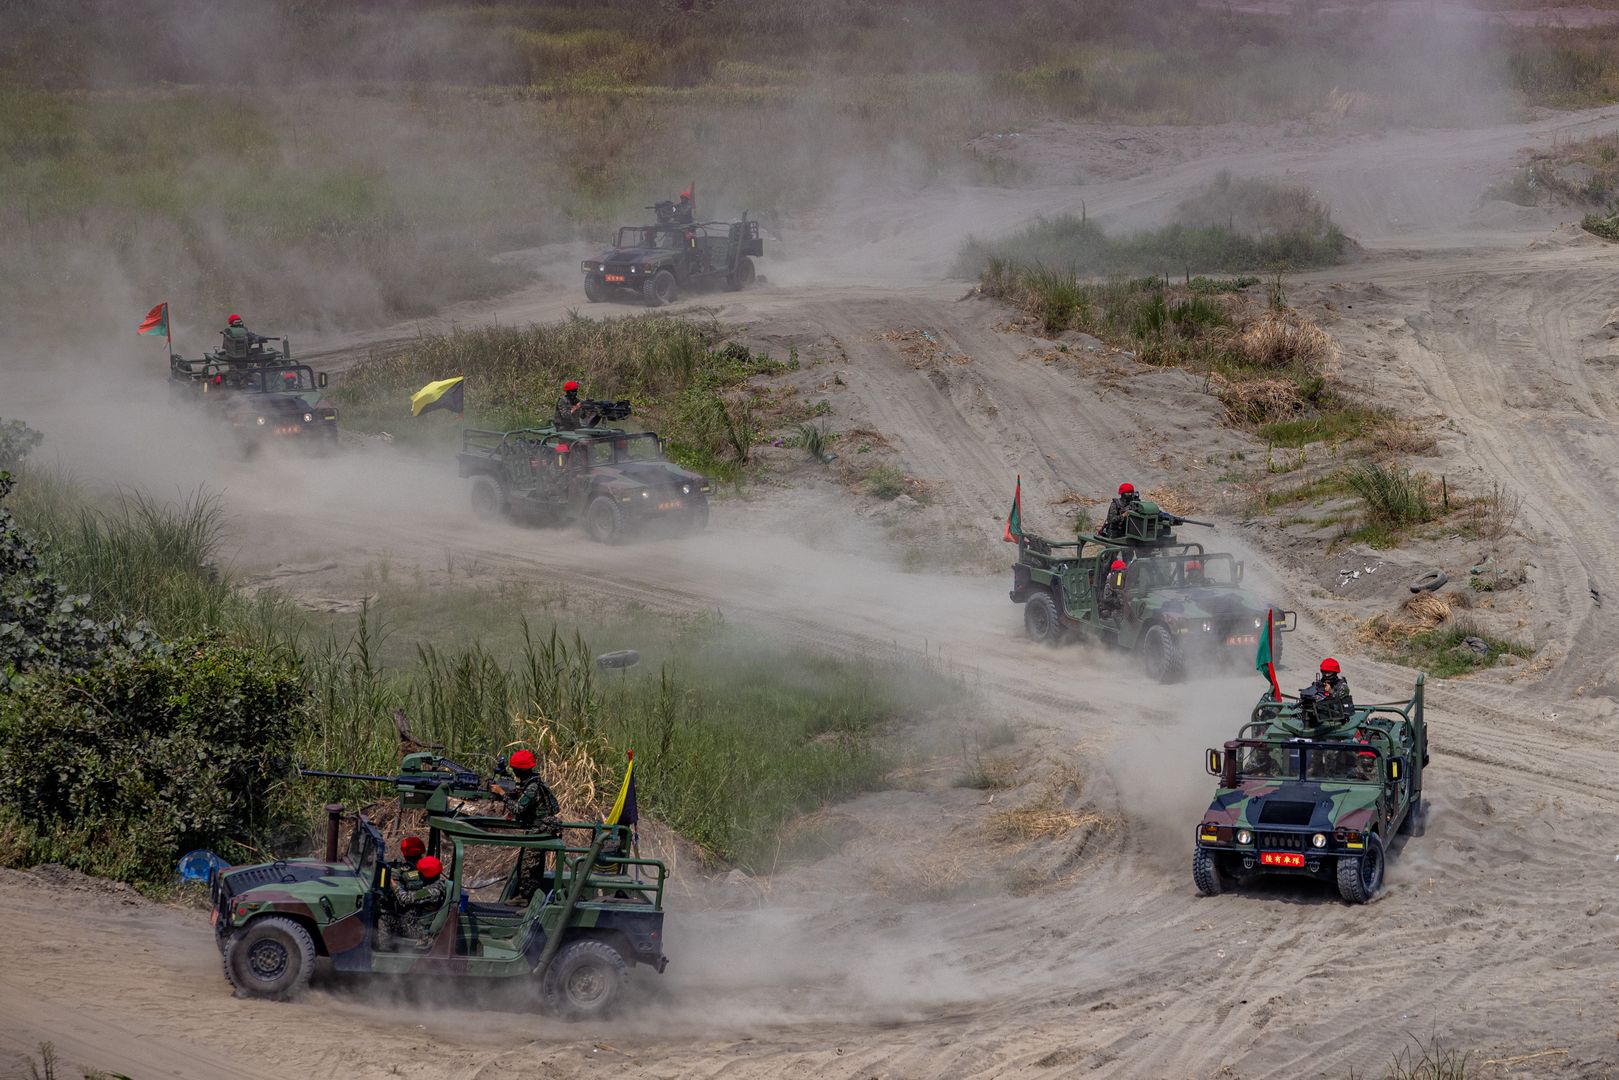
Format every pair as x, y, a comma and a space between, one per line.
1497, 929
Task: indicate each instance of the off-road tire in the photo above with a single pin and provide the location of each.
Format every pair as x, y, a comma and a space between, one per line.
585, 980
743, 276
489, 498
271, 958
604, 520
660, 289
1041, 621
1207, 875
1359, 879
594, 291
1161, 655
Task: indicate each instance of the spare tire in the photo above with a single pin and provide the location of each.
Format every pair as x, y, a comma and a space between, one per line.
1433, 579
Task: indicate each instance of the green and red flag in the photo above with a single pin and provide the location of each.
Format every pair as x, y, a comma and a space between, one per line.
1014, 520
1263, 662
156, 321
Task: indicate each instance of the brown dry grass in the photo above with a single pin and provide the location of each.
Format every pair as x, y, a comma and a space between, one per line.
1175, 501
574, 773
1043, 820
1418, 615
1250, 402
1281, 341
1398, 437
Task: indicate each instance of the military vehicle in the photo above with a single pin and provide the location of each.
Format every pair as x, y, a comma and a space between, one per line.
223, 368
1314, 787
1178, 606
572, 918
655, 263
261, 392
614, 481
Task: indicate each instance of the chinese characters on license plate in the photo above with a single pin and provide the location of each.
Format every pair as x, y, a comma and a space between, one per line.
1280, 858
612, 277
1242, 639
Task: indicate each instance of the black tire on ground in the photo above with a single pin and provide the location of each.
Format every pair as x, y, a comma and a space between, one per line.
272, 958
1161, 655
488, 498
659, 290
585, 980
743, 277
1040, 619
604, 520
1360, 879
594, 292
1430, 581
1207, 875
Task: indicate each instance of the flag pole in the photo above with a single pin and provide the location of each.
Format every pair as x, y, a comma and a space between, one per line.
168, 329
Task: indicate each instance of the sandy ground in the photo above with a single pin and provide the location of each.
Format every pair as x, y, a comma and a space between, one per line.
1495, 930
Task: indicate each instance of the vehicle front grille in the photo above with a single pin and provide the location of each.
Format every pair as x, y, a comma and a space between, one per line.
1286, 812
1269, 841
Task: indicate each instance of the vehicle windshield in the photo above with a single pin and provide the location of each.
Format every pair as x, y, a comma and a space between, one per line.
647, 236
293, 380
365, 848
1270, 761
1165, 572
638, 448
1357, 766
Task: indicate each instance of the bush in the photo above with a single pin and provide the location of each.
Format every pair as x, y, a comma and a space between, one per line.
121, 768
1393, 496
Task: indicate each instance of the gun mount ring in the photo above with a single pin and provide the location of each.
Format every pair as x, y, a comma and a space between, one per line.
623, 658
1430, 581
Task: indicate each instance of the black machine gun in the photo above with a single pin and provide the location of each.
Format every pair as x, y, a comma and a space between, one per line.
670, 212
423, 774
593, 412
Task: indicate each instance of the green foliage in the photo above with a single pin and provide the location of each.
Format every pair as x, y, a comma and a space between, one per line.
43, 627
1598, 225
17, 440
1350, 422
885, 482
1442, 654
121, 767
1393, 496
815, 440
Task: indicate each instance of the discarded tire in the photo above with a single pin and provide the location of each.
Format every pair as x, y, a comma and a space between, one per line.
1430, 581
623, 658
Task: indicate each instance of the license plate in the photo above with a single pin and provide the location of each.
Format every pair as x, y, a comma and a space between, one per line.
612, 277
675, 505
1243, 639
1280, 858
289, 429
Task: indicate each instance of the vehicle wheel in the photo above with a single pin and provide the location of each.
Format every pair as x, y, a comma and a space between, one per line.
1207, 875
660, 290
585, 980
1359, 879
488, 498
273, 958
1430, 581
743, 278
1161, 655
604, 520
1040, 619
697, 519
594, 292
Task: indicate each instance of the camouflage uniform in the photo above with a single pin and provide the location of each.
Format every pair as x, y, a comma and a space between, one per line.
567, 411
415, 903
533, 801
1116, 511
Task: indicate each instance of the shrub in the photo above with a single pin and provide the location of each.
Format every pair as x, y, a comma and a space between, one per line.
1393, 496
121, 768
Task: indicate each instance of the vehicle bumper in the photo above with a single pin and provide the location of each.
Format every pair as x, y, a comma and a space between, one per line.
1277, 851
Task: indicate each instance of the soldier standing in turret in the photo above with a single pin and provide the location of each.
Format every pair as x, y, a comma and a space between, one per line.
1118, 508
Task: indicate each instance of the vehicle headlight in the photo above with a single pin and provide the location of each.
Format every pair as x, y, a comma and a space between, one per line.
309, 418
645, 494
1258, 623
685, 489
261, 421
1244, 836
1207, 628
1319, 840
602, 268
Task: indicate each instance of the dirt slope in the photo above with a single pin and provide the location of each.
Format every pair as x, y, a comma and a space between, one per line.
1497, 927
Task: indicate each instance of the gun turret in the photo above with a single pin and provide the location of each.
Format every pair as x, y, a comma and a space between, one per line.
593, 412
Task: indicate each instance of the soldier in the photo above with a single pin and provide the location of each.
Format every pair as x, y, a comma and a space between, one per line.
1331, 684
416, 902
1118, 508
1194, 572
1113, 591
569, 407
411, 849
534, 800
238, 338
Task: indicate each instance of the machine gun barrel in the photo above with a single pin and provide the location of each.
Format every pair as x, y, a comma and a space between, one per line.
417, 780
1175, 520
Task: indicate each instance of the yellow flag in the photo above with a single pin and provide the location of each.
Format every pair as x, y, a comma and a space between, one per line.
626, 798
443, 394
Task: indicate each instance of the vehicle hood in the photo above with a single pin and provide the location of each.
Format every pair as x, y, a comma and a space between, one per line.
1208, 602
633, 256
271, 881
1294, 804
652, 474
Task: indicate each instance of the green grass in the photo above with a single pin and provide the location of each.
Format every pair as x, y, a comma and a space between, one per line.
885, 482
686, 380
1339, 426
1440, 653
1394, 497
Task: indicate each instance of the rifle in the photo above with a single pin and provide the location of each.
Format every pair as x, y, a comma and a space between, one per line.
592, 411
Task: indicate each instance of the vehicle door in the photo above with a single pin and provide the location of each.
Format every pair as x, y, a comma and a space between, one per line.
1080, 589
349, 940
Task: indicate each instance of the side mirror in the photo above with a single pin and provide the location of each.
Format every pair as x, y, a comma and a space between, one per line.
1212, 765
1240, 567
320, 380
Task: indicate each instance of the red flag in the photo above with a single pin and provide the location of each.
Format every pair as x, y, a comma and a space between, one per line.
1014, 520
156, 321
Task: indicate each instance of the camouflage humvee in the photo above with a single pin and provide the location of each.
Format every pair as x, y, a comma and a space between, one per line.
570, 920
616, 482
1179, 607
1313, 787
